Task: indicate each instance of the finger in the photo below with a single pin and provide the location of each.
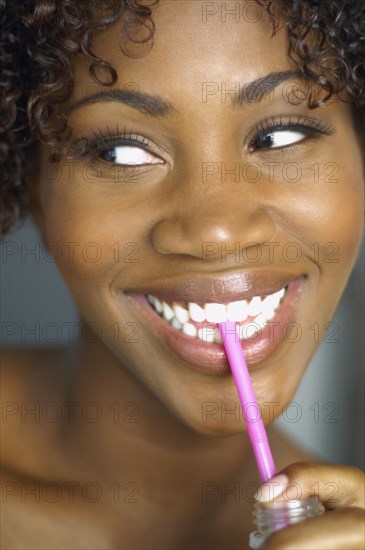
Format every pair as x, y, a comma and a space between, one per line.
336, 530
335, 486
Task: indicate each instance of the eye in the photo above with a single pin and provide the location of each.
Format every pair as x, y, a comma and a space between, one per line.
280, 138
129, 155
118, 148
277, 133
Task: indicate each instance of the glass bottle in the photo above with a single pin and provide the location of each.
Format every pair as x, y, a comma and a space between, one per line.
272, 516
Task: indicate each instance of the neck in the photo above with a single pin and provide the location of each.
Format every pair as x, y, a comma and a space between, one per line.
137, 440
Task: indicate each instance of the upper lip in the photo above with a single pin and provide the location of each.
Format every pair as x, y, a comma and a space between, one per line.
217, 289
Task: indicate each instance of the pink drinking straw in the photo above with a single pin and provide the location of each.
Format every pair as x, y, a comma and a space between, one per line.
251, 411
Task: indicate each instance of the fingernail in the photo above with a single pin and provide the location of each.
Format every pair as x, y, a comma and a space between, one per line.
272, 488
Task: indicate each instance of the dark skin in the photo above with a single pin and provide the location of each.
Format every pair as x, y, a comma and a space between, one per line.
169, 452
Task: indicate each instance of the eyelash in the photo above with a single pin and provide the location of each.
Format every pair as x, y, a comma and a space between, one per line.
103, 142
307, 125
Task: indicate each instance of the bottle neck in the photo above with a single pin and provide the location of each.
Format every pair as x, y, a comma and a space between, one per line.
272, 516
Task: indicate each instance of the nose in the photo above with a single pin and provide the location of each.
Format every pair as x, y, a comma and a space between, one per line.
208, 226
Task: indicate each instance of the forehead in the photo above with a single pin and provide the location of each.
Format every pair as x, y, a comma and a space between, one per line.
194, 42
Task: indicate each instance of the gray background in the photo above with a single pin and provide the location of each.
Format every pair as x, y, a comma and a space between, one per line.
327, 414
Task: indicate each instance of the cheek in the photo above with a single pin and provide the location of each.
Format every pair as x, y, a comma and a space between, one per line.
328, 213
93, 236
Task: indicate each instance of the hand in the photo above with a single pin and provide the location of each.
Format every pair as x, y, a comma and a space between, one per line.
341, 489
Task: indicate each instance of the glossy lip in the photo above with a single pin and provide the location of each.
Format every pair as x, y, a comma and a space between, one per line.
224, 289
211, 358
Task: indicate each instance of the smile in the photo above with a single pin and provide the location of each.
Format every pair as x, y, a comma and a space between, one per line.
198, 320
181, 314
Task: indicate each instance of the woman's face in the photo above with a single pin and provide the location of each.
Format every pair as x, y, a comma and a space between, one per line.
208, 203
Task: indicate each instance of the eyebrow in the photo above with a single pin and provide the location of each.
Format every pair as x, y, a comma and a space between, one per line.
258, 89
156, 106
147, 104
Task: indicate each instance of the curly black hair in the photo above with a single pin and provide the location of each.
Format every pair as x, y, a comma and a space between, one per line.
38, 38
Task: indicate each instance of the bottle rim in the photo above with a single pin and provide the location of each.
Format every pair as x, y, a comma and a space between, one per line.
310, 502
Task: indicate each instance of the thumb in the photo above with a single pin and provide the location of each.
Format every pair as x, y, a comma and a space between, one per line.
335, 486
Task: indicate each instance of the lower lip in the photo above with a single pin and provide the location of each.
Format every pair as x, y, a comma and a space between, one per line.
211, 358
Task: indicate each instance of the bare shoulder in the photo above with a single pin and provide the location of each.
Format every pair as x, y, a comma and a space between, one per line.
38, 509
26, 371
43, 515
31, 374
31, 378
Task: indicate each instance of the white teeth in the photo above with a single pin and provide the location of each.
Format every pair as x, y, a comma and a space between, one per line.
168, 313
251, 330
181, 313
158, 305
275, 298
196, 312
206, 334
155, 302
215, 313
267, 308
268, 300
237, 311
176, 324
269, 313
247, 331
260, 320
262, 310
254, 307
189, 329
